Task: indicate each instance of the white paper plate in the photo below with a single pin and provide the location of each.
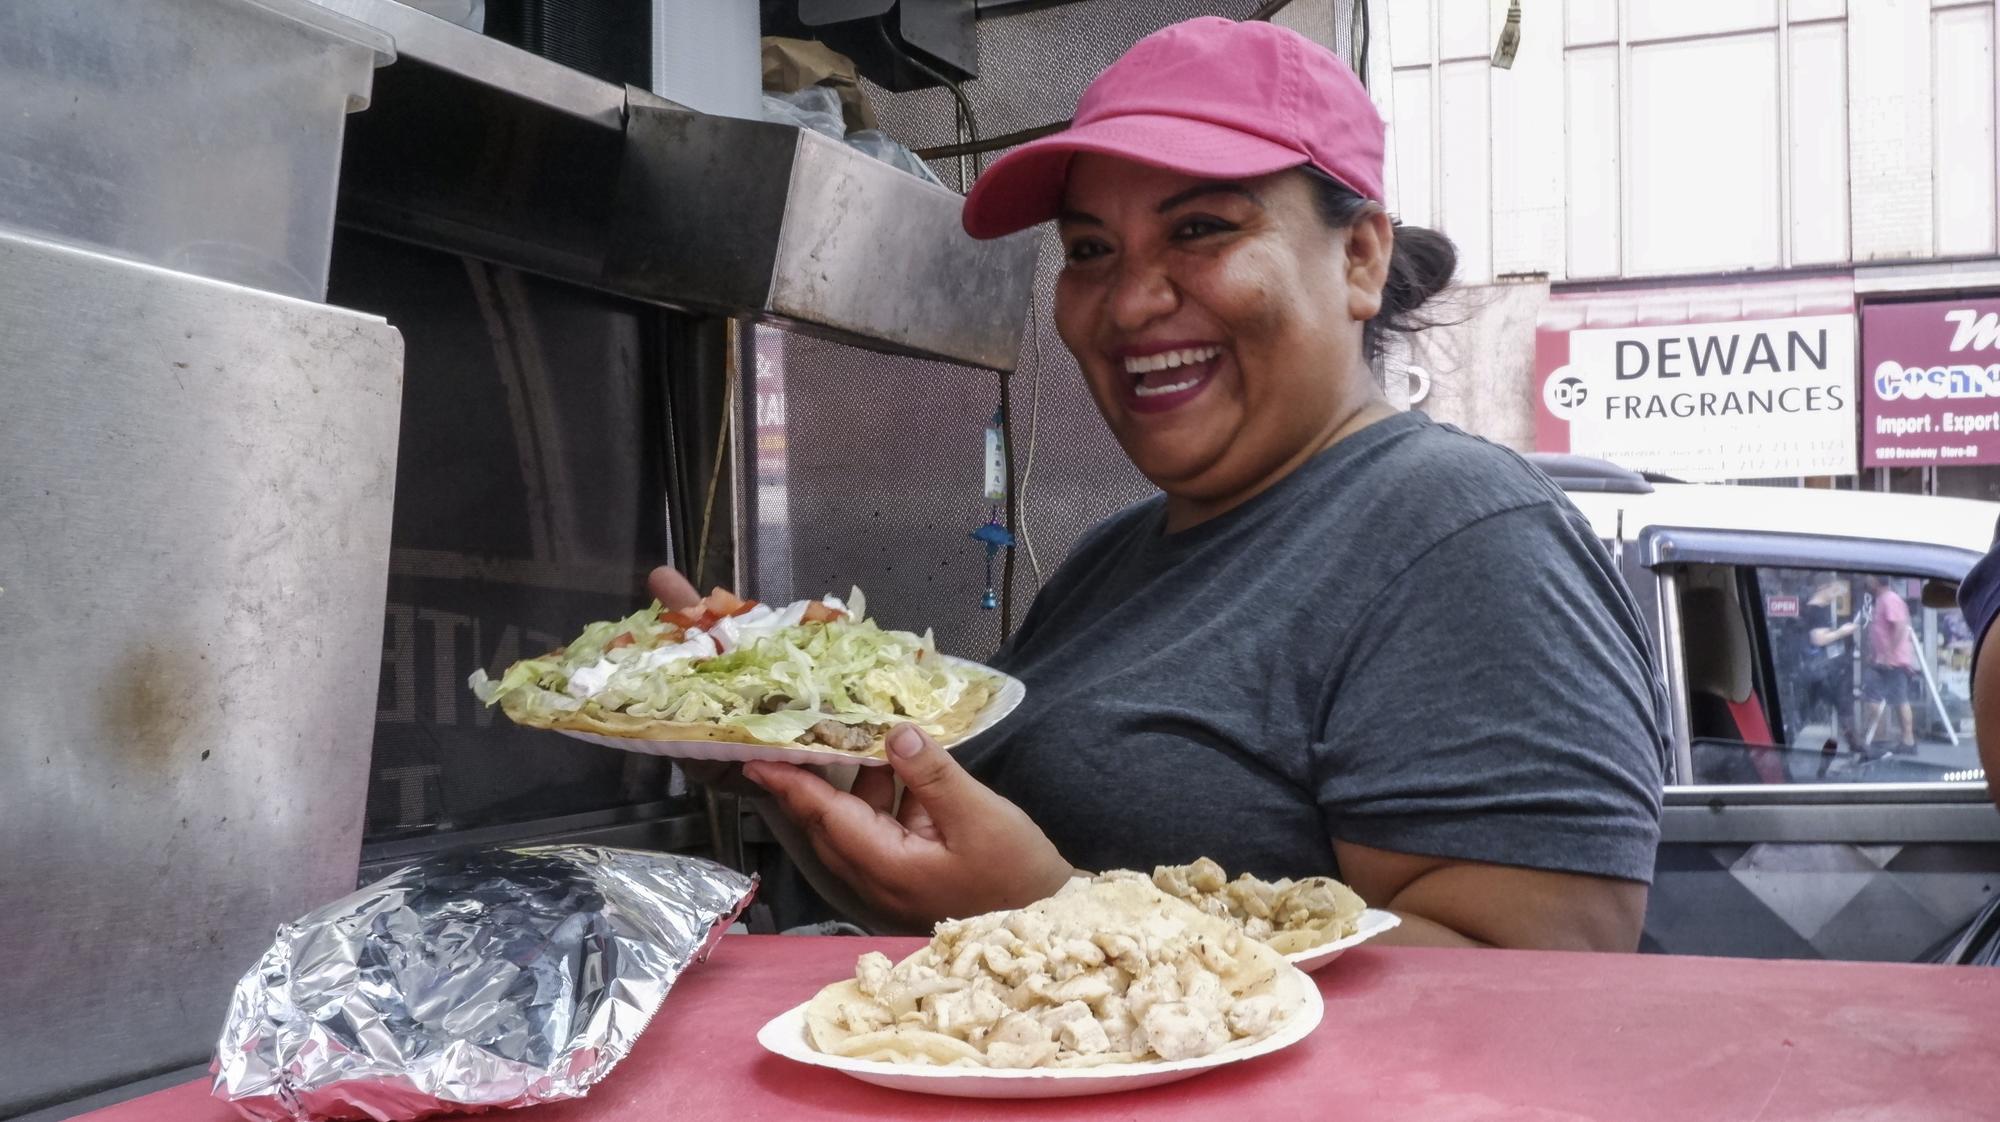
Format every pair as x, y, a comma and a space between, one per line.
1373, 923
785, 1036
1004, 700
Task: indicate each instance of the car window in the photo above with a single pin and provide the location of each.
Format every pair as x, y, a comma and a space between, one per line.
1847, 678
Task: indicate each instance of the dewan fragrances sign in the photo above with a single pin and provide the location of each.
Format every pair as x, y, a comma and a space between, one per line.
1703, 399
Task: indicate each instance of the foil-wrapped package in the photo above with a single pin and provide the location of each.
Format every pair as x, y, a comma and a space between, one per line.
469, 983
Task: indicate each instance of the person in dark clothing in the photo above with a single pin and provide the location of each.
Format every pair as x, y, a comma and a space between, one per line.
1826, 660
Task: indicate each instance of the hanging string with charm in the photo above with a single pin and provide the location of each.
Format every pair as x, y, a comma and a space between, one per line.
996, 533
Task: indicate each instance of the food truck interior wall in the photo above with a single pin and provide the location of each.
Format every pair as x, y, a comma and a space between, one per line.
556, 436
535, 495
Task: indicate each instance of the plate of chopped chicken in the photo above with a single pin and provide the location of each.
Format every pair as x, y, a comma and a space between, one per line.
1109, 985
1310, 920
815, 682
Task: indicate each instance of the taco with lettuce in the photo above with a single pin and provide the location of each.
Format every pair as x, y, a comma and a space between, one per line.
817, 673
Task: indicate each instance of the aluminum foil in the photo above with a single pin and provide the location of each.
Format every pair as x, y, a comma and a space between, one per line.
469, 983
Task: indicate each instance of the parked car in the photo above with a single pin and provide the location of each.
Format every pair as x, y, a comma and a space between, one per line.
1797, 822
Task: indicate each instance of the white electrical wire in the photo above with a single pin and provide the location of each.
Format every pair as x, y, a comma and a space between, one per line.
1034, 427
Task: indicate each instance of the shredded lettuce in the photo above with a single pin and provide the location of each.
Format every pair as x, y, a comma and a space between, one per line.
775, 679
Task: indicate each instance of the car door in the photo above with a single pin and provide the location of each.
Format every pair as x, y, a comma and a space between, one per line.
1797, 823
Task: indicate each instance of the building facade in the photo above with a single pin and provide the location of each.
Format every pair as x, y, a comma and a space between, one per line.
1729, 239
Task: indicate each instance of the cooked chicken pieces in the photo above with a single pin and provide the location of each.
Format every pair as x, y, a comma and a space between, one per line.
1287, 915
1106, 971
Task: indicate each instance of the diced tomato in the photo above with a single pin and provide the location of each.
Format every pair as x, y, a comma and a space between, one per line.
717, 606
624, 639
693, 617
817, 612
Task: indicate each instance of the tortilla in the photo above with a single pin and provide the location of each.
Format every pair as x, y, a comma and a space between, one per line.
948, 729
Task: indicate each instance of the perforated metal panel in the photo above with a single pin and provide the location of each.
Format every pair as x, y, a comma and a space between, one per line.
869, 469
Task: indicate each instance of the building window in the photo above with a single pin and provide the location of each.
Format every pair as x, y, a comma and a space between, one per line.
1645, 138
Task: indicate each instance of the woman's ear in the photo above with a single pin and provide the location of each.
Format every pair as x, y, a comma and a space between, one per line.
1371, 240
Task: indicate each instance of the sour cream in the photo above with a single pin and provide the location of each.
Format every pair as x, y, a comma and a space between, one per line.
697, 646
758, 623
591, 679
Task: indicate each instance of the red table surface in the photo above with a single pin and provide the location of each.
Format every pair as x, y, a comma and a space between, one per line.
1433, 1035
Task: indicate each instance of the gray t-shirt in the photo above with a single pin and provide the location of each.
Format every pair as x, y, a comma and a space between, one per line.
1413, 642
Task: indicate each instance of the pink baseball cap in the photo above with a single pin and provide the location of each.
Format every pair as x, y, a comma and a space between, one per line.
1209, 97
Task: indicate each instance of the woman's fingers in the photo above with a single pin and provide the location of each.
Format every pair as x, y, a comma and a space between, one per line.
916, 818
876, 786
955, 848
833, 818
945, 790
671, 589
804, 795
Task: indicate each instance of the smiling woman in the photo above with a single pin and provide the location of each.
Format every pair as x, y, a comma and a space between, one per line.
1344, 641
1180, 289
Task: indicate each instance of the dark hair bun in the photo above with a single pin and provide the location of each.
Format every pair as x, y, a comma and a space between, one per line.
1420, 267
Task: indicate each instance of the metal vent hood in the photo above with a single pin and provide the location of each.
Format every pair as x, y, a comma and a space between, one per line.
476, 145
746, 217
